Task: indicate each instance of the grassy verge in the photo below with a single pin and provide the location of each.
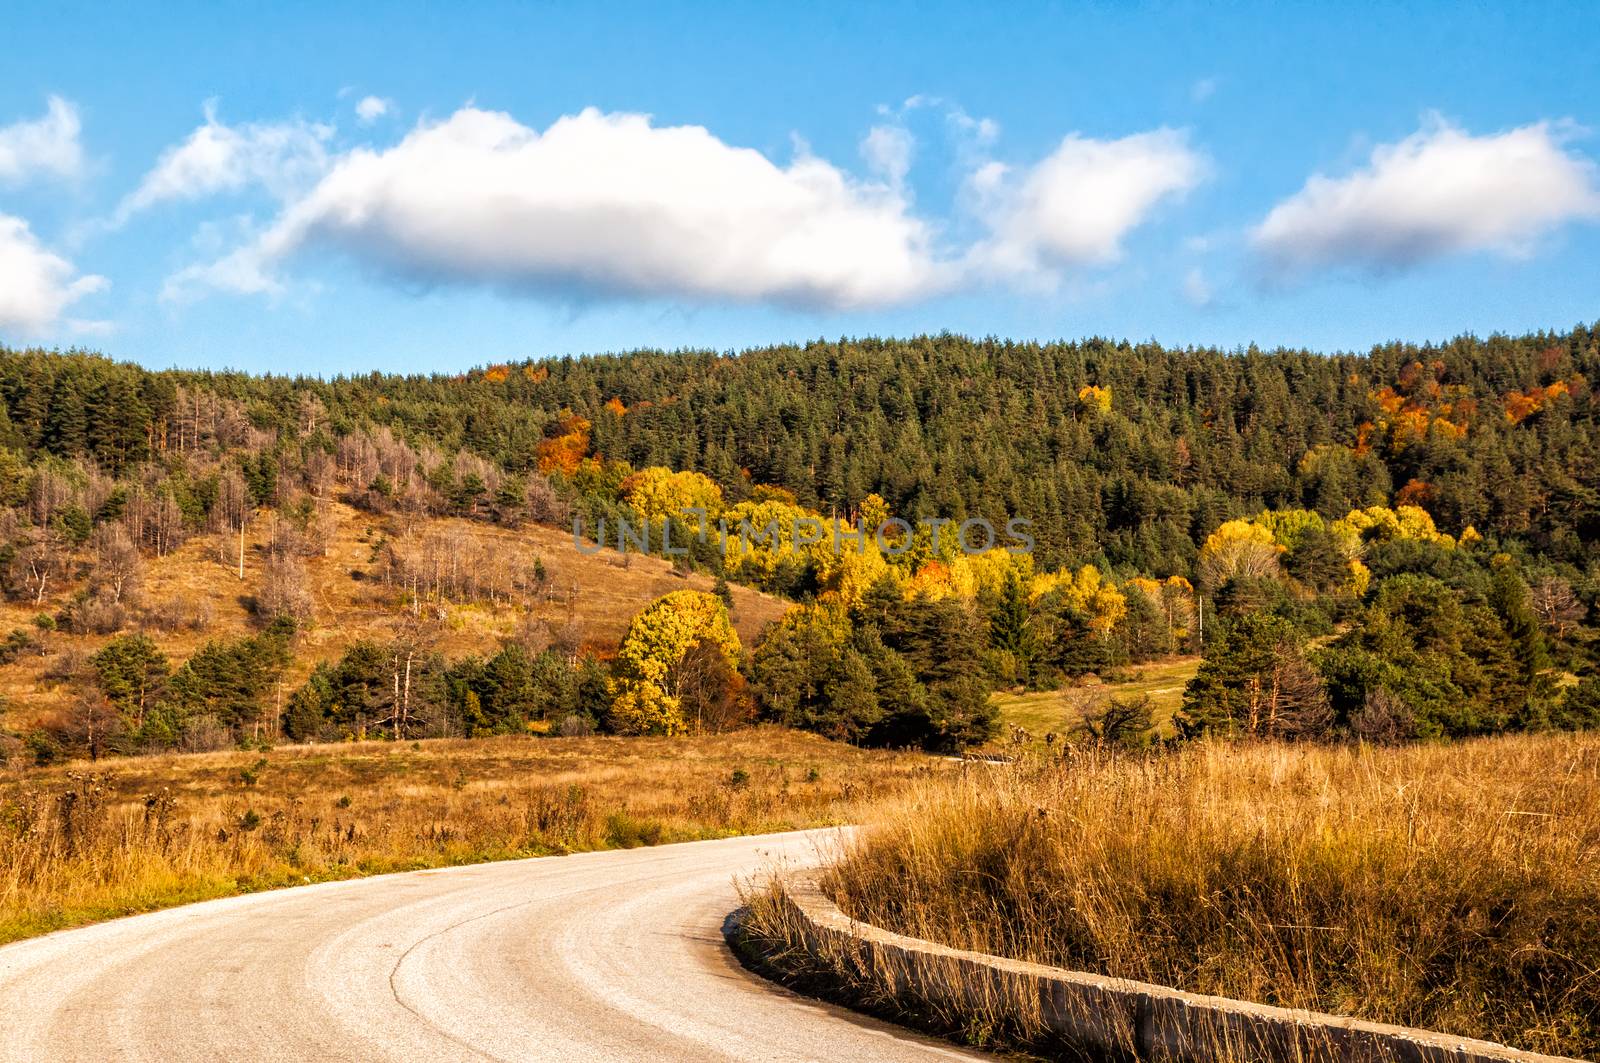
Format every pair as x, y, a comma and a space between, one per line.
1454, 888
79, 844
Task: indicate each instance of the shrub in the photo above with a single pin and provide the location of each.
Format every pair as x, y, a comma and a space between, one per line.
97, 615
42, 748
175, 614
1122, 723
19, 642
626, 831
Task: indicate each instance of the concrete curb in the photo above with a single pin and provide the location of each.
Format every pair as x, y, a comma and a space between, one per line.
1098, 1015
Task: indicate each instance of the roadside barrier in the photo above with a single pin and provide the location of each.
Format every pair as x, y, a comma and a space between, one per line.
1099, 1016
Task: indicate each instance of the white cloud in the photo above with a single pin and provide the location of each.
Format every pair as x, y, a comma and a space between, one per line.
1075, 207
45, 145
980, 132
600, 204
888, 150
282, 157
1197, 289
372, 108
1440, 191
36, 285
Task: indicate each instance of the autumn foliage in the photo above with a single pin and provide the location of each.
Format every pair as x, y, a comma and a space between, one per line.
1520, 405
652, 677
1094, 399
657, 493
563, 452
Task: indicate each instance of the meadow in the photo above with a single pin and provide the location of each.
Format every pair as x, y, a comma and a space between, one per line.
80, 843
1449, 887
1060, 711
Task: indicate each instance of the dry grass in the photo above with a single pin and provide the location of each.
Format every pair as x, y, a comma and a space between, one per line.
148, 832
1455, 888
599, 593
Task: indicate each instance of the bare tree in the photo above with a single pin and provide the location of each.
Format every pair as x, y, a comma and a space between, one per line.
94, 722
39, 564
408, 709
710, 691
285, 589
1121, 723
231, 514
1297, 702
52, 492
318, 472
1384, 719
310, 413
118, 572
1557, 606
542, 504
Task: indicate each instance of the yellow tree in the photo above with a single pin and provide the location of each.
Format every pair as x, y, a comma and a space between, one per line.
1086, 591
1380, 524
983, 575
1289, 527
1238, 548
1094, 400
658, 493
648, 683
768, 533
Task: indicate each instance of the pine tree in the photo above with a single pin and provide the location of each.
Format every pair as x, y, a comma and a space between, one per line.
1011, 622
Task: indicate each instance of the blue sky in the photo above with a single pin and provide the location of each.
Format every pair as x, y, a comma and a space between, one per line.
332, 188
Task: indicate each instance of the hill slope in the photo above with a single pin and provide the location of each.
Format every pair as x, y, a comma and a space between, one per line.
593, 595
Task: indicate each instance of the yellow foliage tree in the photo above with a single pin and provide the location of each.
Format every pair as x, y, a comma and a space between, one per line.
761, 536
1086, 591
658, 492
1381, 524
984, 575
1094, 399
1288, 527
848, 572
645, 687
1177, 602
874, 511
1238, 548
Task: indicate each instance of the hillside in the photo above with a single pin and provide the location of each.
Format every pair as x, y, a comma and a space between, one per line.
596, 594
1395, 544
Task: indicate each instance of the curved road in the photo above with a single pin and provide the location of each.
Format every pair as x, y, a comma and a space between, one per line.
597, 956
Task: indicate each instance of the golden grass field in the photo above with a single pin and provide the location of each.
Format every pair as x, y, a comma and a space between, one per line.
597, 592
1060, 711
82, 843
1450, 887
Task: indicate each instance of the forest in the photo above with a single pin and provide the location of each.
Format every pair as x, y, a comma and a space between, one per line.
1398, 544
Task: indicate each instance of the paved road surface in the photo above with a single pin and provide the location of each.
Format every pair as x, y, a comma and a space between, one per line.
598, 956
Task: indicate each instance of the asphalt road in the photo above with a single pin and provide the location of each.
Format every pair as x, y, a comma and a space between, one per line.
598, 956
